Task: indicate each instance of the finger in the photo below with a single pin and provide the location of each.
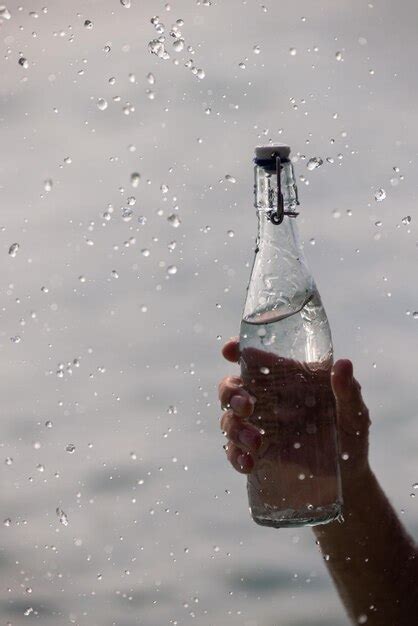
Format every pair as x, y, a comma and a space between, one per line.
231, 386
230, 351
239, 432
242, 462
353, 415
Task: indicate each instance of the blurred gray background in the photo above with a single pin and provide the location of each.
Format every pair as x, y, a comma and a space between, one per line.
110, 357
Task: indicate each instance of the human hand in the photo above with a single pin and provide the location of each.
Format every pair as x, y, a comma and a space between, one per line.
245, 439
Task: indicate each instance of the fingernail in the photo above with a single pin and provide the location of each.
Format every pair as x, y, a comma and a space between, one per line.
249, 437
238, 403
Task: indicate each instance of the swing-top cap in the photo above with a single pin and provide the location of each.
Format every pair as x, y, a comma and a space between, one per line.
271, 152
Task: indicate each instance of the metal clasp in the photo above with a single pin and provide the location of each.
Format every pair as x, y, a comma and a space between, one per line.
276, 217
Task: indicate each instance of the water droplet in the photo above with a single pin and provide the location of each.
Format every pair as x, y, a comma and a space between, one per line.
23, 62
145, 252
312, 241
174, 220
135, 178
28, 611
142, 220
8, 460
230, 233
292, 52
102, 104
62, 516
48, 184
371, 72
178, 45
4, 13
339, 56
7, 521
313, 163
264, 370
256, 49
415, 315
415, 486
88, 24
171, 270
14, 249
126, 3
242, 65
362, 619
15, 339
164, 188
70, 448
127, 214
406, 220
230, 179
345, 456
114, 274
151, 78
301, 476
336, 214
107, 49
200, 74
378, 223
48, 424
380, 195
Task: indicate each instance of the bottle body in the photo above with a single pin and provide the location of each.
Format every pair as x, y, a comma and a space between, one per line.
286, 360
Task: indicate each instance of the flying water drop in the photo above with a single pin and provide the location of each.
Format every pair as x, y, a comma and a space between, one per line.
14, 249
313, 163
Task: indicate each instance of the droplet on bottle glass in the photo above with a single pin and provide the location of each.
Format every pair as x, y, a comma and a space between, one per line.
292, 52
88, 24
230, 179
70, 448
406, 220
256, 49
339, 56
126, 3
23, 62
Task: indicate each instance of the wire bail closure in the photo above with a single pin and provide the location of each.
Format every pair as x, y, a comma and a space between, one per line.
276, 217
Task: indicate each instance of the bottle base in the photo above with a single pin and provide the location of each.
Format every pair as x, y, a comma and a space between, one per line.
293, 519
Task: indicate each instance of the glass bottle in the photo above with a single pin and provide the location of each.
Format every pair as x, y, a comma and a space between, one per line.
286, 360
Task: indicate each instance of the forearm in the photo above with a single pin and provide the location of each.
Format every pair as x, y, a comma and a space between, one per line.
371, 557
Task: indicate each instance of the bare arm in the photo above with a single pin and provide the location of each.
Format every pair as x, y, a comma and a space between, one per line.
370, 556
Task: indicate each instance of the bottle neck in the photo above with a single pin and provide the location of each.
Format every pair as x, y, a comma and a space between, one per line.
281, 282
269, 191
268, 197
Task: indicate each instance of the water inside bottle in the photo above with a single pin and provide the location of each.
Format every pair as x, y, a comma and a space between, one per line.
286, 362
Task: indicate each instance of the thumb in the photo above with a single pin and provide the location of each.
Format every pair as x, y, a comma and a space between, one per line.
352, 413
